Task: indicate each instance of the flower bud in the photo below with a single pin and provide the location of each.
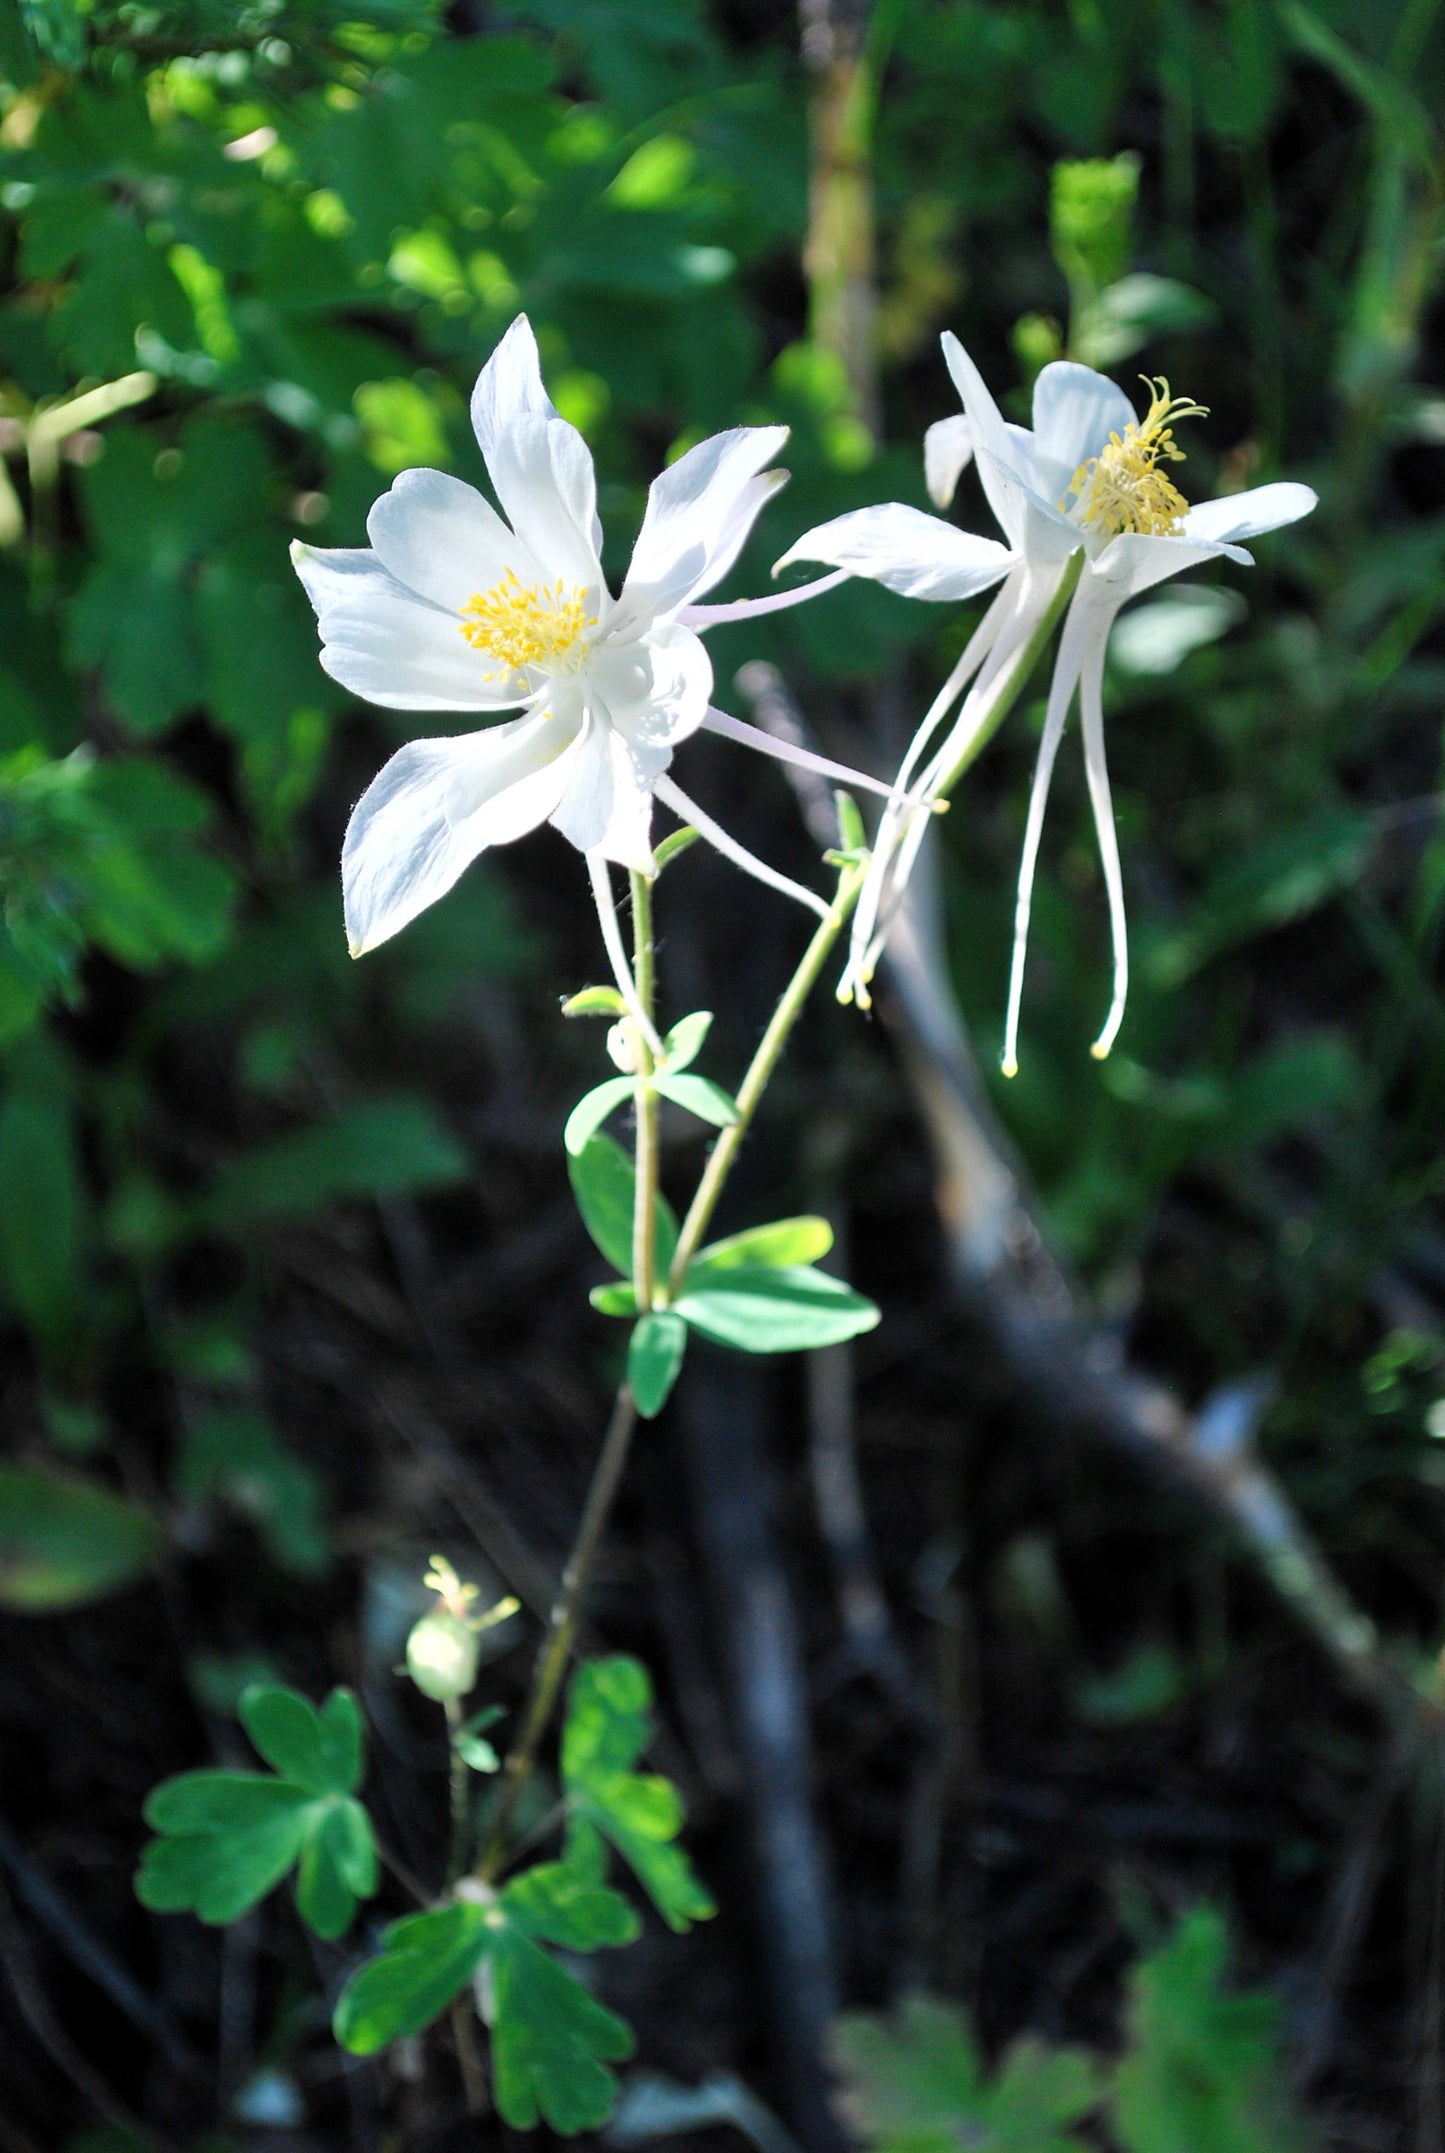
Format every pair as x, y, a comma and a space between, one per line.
624, 1046
441, 1656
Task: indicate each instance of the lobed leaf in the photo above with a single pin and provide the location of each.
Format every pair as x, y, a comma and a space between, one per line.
607, 1727
551, 2041
425, 1961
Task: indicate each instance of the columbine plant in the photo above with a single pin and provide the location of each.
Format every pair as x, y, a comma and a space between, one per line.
453, 608
1092, 518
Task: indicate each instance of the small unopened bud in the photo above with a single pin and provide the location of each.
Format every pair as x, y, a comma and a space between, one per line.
441, 1656
624, 1046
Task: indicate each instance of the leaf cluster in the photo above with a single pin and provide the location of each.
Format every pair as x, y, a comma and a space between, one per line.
551, 2041
1201, 2070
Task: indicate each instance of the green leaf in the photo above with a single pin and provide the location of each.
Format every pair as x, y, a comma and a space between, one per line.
675, 844
913, 2082
607, 1728
654, 1360
64, 1542
1291, 874
698, 1095
559, 1903
788, 1309
551, 2041
604, 1183
224, 1839
685, 1041
321, 1751
477, 1753
338, 1866
233, 1454
595, 1002
614, 1300
381, 1149
425, 1961
1201, 2067
785, 1242
588, 1115
852, 830
42, 1217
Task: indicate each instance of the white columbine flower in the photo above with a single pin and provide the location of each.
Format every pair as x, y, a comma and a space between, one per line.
1090, 477
451, 608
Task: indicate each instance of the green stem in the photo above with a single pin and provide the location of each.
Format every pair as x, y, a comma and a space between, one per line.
760, 1069
561, 1627
566, 1615
1014, 676
644, 1207
459, 1802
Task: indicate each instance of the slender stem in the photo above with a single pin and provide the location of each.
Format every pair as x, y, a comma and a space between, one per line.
460, 1805
474, 2084
562, 1625
644, 1208
760, 1069
1011, 679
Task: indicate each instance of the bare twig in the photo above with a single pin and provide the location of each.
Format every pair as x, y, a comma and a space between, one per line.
724, 1426
34, 2005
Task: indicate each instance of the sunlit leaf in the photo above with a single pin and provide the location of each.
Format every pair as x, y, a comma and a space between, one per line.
608, 1726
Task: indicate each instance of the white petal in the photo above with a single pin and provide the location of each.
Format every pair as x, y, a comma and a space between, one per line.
1020, 495
657, 690
1249, 515
947, 453
784, 751
1133, 562
1078, 626
387, 644
1096, 769
699, 512
687, 810
916, 555
990, 433
1075, 411
705, 616
438, 536
607, 805
434, 807
540, 466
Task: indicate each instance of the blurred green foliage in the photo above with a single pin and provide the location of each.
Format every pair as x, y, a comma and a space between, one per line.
1201, 2070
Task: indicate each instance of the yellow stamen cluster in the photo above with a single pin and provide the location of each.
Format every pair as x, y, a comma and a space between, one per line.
529, 624
1122, 488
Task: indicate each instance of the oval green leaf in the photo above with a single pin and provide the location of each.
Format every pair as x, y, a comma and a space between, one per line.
786, 1310
65, 1541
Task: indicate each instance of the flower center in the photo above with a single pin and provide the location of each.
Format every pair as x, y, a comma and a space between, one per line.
1123, 488
529, 624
